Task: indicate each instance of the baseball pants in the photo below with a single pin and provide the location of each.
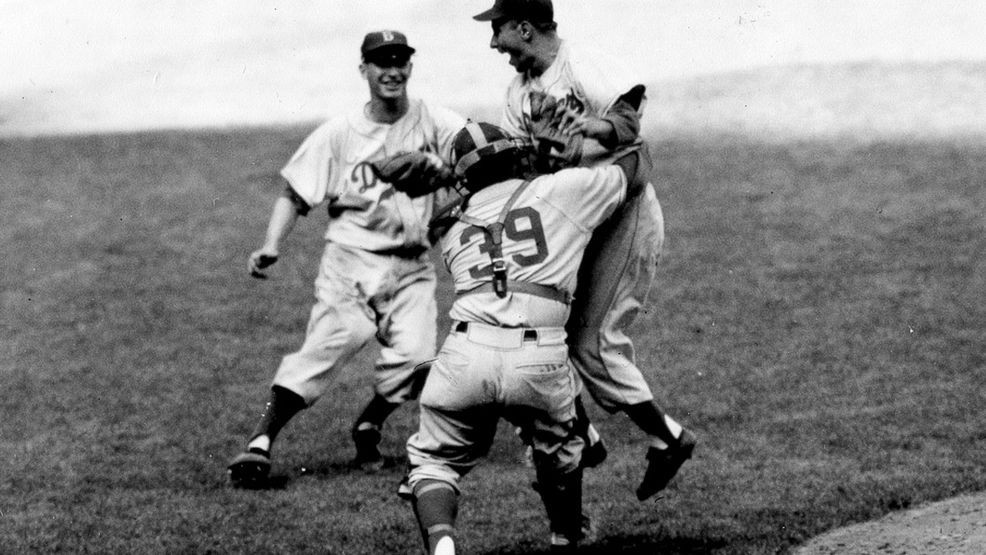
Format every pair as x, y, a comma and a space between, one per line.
486, 372
614, 280
360, 295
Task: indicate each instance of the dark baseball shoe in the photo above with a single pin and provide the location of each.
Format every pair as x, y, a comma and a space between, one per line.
249, 469
663, 464
367, 440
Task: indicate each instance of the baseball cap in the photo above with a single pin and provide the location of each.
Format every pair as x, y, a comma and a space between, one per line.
383, 42
537, 11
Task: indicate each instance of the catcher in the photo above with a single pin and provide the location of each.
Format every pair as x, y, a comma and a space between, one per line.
506, 354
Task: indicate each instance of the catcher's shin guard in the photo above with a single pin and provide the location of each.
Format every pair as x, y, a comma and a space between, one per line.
435, 505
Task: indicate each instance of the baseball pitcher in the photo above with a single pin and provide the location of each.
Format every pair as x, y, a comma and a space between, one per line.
581, 109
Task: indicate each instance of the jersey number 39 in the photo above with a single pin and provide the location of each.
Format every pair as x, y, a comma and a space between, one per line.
520, 224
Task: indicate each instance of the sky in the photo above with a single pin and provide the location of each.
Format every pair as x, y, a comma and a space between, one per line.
70, 66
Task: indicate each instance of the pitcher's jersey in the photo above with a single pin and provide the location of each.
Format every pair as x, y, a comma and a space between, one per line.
332, 165
586, 81
545, 234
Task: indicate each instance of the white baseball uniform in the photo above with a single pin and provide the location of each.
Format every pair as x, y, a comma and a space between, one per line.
506, 356
375, 277
620, 261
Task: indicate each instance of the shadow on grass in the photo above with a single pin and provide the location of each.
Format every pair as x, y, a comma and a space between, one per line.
633, 545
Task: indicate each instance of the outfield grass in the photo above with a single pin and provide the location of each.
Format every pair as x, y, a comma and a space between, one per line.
818, 320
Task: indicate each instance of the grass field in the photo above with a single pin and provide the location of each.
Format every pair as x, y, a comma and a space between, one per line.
818, 320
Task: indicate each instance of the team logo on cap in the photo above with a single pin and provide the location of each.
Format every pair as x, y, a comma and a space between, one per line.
388, 36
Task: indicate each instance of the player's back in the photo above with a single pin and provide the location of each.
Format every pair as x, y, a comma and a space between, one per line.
546, 228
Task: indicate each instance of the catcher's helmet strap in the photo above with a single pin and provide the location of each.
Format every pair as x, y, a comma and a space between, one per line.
477, 135
488, 149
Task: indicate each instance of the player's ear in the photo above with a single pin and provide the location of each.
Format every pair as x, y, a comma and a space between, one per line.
362, 69
525, 29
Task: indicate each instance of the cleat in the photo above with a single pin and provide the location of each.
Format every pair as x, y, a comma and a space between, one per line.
663, 464
368, 457
594, 454
249, 469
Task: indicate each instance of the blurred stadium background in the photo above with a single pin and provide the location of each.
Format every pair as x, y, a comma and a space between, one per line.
818, 67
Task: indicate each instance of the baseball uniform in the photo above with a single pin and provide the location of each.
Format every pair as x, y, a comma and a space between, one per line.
375, 277
507, 356
620, 261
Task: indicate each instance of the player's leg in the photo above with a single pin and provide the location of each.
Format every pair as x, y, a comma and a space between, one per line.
614, 283
539, 395
338, 327
453, 434
406, 319
436, 505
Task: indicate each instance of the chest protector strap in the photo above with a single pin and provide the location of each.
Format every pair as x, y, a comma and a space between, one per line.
494, 232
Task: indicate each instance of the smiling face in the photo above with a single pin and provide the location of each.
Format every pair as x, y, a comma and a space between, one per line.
387, 74
512, 38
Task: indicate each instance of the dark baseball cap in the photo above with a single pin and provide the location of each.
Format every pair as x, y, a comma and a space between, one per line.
381, 42
535, 11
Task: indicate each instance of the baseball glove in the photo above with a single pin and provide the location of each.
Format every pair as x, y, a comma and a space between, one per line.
563, 150
414, 173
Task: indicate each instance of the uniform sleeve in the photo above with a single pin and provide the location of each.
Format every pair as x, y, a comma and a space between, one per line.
587, 195
311, 170
603, 79
447, 124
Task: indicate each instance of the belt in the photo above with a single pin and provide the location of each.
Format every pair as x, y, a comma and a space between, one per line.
463, 327
549, 292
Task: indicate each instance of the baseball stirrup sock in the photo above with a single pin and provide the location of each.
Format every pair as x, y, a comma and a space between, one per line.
280, 409
376, 411
435, 506
651, 419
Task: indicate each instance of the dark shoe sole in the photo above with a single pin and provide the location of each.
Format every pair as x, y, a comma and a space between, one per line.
249, 470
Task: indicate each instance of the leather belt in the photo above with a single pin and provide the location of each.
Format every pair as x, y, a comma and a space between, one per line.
463, 327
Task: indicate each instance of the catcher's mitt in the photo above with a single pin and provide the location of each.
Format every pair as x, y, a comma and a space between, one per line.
414, 173
563, 150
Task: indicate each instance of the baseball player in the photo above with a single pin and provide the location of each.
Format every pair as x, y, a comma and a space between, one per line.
582, 110
375, 278
513, 253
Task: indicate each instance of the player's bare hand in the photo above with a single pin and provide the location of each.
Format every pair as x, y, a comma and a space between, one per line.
259, 260
570, 122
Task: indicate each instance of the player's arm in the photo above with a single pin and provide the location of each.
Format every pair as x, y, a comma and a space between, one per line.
636, 166
619, 126
283, 216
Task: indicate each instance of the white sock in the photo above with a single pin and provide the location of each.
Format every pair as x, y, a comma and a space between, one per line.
259, 442
675, 429
445, 546
673, 426
593, 435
